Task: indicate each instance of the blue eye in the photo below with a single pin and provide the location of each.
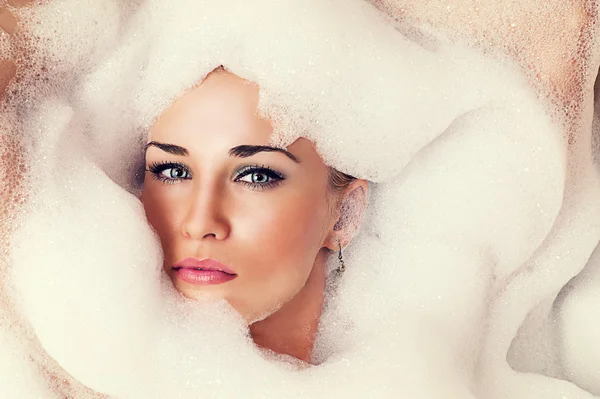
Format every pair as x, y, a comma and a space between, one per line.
174, 173
259, 177
169, 172
256, 177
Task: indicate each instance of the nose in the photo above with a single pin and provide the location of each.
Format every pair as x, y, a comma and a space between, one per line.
206, 216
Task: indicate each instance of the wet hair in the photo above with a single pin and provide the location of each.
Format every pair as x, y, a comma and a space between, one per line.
339, 181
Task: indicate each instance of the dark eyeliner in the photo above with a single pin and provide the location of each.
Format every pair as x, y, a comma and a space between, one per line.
156, 168
275, 177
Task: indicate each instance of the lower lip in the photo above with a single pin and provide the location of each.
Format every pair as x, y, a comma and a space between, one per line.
203, 277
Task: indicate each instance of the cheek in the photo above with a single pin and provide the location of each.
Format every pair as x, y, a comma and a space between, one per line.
288, 231
160, 212
281, 239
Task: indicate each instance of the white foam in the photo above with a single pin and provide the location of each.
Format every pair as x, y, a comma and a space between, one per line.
19, 377
478, 216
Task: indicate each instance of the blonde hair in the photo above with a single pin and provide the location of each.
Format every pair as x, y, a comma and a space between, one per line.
339, 181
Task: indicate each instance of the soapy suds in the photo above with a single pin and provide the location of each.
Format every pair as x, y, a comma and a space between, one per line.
484, 208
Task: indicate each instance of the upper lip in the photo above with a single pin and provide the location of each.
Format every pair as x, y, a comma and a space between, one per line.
204, 264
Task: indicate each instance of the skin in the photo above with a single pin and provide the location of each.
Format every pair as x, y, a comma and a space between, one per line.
544, 43
8, 68
548, 39
11, 199
8, 22
275, 235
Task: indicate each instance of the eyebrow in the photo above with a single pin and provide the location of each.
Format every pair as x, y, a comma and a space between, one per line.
245, 151
170, 148
241, 151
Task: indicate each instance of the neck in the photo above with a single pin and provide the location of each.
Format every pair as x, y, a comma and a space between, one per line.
292, 330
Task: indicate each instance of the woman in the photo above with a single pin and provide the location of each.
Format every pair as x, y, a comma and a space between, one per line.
202, 212
244, 221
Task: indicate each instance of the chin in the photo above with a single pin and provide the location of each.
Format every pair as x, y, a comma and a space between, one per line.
256, 318
260, 316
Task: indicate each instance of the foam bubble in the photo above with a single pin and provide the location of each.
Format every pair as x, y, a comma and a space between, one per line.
484, 206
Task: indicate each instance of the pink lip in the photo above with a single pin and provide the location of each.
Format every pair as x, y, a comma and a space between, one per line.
203, 271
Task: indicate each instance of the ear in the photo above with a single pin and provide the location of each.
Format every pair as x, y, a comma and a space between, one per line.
352, 206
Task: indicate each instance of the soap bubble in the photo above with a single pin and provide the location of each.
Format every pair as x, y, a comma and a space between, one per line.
483, 203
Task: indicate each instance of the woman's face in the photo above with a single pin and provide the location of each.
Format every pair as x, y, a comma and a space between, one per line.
237, 219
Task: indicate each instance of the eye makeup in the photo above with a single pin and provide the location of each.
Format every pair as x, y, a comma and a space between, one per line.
255, 177
169, 172
258, 177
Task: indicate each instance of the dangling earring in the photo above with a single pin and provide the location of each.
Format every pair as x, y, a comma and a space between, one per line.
341, 268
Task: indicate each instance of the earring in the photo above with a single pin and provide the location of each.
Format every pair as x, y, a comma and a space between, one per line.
341, 267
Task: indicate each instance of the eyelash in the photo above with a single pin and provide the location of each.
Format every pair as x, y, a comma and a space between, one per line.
275, 177
156, 168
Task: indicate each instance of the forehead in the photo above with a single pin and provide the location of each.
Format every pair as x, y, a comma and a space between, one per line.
223, 107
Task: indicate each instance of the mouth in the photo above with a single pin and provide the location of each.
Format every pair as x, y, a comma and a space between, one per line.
202, 271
